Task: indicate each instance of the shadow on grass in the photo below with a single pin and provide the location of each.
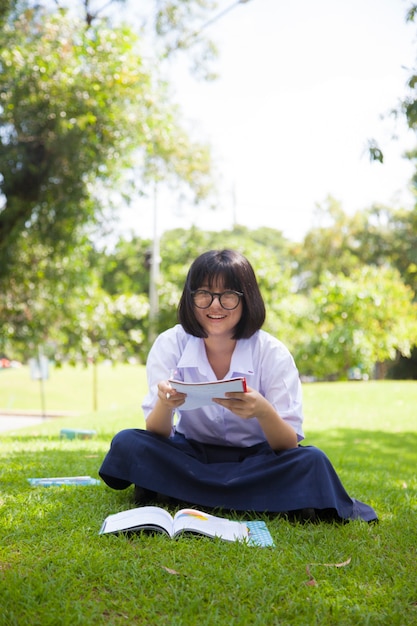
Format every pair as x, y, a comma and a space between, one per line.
372, 451
376, 467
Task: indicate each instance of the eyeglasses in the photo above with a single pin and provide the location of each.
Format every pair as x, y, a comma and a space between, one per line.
229, 300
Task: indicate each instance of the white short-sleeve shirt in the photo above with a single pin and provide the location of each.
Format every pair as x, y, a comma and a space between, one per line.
263, 360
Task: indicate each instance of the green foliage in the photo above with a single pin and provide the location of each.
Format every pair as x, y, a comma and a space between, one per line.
62, 91
357, 321
126, 268
95, 305
58, 304
77, 106
42, 296
6, 7
178, 26
106, 327
375, 152
330, 246
378, 236
389, 237
79, 109
170, 28
411, 13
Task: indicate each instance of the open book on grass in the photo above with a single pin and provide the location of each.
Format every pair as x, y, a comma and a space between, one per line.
156, 519
201, 394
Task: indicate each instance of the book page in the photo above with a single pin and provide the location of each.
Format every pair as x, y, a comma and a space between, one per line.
144, 517
201, 394
191, 520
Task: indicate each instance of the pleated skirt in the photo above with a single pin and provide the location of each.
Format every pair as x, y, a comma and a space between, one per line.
254, 478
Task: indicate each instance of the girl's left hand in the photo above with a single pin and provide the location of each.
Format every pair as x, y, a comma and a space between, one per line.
279, 434
245, 404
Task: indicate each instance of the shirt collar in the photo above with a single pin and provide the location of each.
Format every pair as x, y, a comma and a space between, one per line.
242, 358
194, 356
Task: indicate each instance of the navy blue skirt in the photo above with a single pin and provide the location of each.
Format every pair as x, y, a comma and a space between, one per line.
254, 478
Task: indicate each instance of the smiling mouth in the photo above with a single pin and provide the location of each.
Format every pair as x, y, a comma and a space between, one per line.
216, 317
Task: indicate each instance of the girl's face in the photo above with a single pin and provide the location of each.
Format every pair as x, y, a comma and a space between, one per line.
216, 320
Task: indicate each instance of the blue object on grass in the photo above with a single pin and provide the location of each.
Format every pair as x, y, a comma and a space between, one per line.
259, 534
64, 480
77, 433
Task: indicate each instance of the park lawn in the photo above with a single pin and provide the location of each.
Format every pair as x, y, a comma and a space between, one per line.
55, 569
73, 389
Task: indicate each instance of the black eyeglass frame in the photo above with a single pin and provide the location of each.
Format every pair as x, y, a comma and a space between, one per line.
219, 296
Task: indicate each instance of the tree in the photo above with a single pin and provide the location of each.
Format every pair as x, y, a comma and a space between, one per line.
106, 327
61, 306
125, 269
43, 296
389, 237
331, 246
355, 322
170, 27
77, 106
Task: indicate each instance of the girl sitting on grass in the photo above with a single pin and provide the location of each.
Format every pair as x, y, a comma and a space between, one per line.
241, 452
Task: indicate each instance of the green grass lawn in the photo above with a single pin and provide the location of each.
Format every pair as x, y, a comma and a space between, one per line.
74, 389
55, 569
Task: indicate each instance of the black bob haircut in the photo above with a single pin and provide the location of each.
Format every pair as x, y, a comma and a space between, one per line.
235, 272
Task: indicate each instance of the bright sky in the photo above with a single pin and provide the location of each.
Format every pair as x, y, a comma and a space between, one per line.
303, 85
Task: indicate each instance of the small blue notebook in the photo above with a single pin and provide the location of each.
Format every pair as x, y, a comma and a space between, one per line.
259, 534
77, 433
64, 480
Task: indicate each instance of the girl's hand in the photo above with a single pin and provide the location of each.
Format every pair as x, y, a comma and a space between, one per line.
245, 404
279, 434
159, 419
169, 397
